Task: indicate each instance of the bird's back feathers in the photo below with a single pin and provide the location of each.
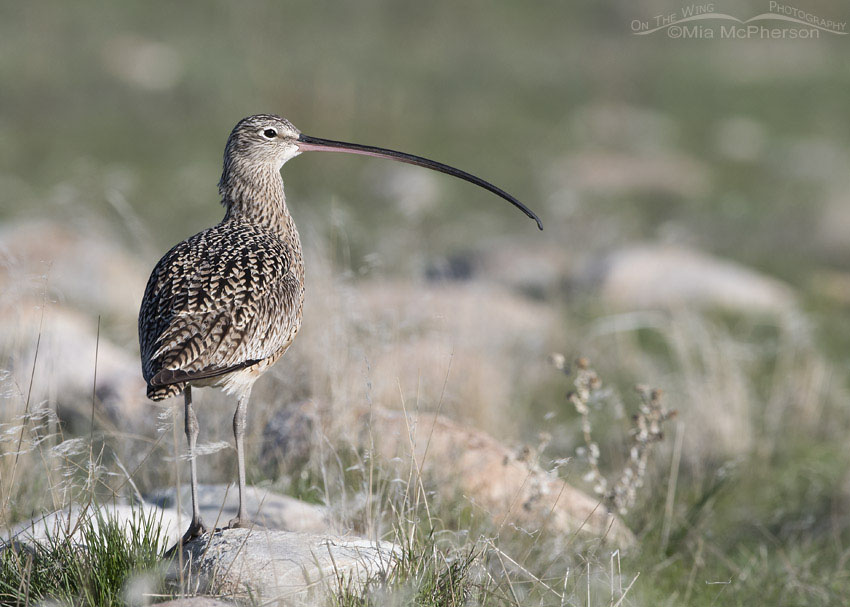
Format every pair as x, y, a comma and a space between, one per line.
220, 301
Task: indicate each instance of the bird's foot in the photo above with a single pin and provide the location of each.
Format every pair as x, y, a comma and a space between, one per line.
239, 522
196, 529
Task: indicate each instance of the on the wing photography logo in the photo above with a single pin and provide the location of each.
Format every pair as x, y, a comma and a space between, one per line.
703, 22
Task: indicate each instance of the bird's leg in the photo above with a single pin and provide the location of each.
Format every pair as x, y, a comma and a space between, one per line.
239, 421
196, 527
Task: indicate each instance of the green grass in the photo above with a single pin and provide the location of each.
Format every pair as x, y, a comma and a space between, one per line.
423, 575
103, 563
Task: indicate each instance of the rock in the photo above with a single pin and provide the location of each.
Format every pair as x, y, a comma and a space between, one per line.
281, 565
219, 503
659, 276
77, 266
66, 342
258, 562
508, 484
72, 275
58, 524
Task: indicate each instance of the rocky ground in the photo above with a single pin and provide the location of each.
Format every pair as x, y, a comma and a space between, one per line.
384, 397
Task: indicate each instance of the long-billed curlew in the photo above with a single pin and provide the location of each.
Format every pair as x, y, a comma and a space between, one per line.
222, 306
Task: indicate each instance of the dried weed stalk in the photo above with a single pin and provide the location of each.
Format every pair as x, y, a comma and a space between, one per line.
645, 431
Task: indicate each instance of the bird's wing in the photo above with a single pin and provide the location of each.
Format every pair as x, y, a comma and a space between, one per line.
215, 303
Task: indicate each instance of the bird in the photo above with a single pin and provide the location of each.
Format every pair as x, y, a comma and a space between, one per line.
221, 307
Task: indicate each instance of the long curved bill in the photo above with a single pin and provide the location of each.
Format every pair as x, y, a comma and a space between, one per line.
314, 144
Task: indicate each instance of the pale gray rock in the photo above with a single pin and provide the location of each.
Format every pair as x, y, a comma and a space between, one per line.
72, 263
55, 346
256, 562
279, 565
68, 523
219, 503
56, 279
665, 277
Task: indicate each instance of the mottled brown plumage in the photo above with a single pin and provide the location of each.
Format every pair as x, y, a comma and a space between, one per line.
227, 297
225, 304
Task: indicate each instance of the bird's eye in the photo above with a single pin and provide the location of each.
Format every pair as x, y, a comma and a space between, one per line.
270, 133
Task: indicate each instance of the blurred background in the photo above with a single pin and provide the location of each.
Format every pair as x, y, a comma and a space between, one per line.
695, 196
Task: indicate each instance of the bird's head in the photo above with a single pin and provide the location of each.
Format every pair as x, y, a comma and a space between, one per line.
262, 140
267, 140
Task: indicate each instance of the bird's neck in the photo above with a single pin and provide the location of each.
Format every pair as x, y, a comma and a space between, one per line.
256, 196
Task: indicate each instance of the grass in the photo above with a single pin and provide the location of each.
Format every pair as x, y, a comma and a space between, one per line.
101, 562
737, 519
423, 574
452, 555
